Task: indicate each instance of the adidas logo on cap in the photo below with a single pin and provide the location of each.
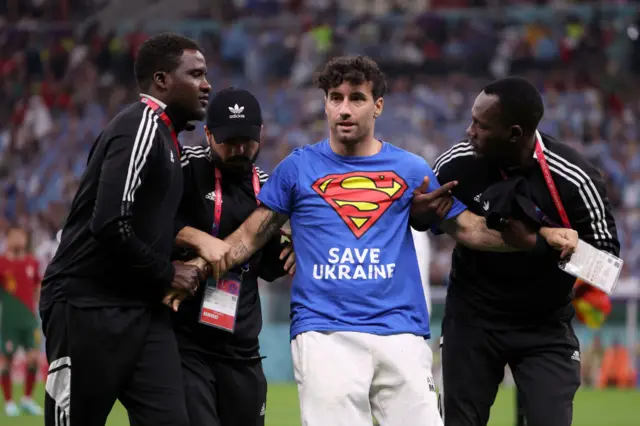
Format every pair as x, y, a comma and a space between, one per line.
236, 111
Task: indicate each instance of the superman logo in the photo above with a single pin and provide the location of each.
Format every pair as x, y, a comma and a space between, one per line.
360, 198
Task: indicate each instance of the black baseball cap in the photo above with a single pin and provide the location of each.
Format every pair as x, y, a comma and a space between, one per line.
234, 113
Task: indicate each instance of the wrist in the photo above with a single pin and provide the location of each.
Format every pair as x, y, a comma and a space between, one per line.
199, 242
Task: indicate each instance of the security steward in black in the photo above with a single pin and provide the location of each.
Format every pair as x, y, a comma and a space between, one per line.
101, 302
217, 332
515, 308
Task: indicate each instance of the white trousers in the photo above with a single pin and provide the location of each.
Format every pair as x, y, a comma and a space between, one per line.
345, 377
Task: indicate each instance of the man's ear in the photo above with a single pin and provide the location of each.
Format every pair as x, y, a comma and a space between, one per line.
208, 135
162, 80
516, 133
379, 107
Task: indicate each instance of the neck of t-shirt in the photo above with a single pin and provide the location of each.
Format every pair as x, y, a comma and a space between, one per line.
174, 114
365, 148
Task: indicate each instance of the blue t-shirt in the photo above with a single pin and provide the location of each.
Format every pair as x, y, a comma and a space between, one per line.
356, 263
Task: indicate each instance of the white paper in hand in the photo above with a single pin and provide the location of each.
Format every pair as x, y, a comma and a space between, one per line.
596, 267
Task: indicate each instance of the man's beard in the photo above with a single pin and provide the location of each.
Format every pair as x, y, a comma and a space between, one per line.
238, 165
350, 138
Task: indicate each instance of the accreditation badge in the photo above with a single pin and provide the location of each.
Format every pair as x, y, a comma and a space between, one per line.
596, 267
220, 302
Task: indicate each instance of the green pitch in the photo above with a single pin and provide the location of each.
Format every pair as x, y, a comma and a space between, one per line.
592, 408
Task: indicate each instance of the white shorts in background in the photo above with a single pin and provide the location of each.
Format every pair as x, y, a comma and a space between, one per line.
345, 377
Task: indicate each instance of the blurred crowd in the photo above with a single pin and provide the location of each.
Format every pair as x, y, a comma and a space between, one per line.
61, 82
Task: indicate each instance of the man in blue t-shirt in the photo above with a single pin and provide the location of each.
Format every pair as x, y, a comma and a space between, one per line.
359, 317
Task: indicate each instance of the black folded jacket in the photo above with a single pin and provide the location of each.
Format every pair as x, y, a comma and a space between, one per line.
509, 199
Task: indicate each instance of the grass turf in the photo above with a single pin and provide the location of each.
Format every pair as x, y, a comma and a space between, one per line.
592, 408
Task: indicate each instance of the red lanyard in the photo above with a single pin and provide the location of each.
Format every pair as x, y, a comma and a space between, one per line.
551, 185
217, 209
165, 118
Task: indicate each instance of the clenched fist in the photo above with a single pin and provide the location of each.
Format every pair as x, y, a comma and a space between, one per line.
187, 278
213, 250
562, 239
183, 285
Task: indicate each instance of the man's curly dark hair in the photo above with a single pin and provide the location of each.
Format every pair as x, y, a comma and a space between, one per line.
353, 69
161, 53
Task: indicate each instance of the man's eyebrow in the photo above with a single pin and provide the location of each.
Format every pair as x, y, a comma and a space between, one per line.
475, 118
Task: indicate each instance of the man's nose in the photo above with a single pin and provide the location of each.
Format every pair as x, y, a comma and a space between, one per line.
470, 132
238, 149
345, 110
205, 86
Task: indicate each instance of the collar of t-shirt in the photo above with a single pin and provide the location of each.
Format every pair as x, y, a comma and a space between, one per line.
177, 127
160, 103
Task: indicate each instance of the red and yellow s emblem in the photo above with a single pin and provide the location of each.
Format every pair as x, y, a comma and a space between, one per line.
360, 198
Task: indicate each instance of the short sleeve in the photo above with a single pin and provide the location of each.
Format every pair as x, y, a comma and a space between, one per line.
278, 192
